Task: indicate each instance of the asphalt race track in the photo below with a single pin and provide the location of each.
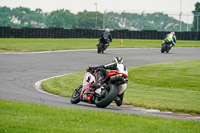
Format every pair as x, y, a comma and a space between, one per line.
20, 71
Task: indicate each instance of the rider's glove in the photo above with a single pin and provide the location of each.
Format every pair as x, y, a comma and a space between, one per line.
90, 68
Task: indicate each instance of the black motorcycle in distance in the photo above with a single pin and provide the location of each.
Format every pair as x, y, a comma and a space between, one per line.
102, 45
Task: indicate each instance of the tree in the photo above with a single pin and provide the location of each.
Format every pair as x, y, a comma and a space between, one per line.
87, 20
61, 18
5, 15
196, 13
24, 17
144, 21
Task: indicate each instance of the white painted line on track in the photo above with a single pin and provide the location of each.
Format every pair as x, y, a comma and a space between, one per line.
152, 110
78, 50
39, 88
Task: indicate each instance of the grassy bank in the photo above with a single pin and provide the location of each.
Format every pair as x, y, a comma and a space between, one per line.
19, 117
166, 86
33, 45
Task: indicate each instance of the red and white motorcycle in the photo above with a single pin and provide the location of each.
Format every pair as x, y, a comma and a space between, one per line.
114, 83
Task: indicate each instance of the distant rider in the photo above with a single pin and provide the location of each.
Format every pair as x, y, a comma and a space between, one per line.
106, 37
171, 37
102, 72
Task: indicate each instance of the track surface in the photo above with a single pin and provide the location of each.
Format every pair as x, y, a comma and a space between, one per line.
20, 71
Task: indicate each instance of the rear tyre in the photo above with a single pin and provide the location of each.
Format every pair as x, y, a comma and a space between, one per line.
75, 98
109, 96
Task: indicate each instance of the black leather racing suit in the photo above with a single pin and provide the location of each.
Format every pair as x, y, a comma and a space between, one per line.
102, 69
105, 36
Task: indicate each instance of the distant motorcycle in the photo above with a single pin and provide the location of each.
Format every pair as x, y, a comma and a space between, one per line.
166, 45
101, 47
114, 83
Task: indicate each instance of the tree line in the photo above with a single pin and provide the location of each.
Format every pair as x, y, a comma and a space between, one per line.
25, 17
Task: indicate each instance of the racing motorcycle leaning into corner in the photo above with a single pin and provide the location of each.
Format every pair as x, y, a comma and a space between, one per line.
168, 42
111, 86
166, 46
104, 41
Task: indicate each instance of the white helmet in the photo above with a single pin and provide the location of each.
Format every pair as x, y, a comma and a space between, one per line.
107, 30
118, 60
173, 32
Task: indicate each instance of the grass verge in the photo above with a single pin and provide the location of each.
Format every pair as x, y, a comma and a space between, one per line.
34, 45
165, 86
17, 117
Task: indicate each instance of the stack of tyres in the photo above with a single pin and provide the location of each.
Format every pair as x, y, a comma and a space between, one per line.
79, 33
5, 32
50, 30
126, 34
61, 32
67, 33
46, 33
56, 32
156, 35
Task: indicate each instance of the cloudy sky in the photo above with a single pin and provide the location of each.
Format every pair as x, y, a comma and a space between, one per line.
135, 6
102, 5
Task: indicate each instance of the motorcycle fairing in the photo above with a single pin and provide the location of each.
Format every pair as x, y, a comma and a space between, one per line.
114, 72
122, 69
122, 88
88, 78
87, 81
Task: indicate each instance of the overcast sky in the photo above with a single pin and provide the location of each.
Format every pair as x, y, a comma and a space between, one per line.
134, 6
116, 5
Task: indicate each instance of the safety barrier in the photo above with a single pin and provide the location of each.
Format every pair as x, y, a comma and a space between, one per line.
7, 32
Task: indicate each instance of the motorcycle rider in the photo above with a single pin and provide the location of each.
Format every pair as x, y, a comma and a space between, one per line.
102, 72
171, 37
106, 37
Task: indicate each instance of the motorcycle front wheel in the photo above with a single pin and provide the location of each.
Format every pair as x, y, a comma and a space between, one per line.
75, 98
163, 48
168, 48
109, 95
100, 48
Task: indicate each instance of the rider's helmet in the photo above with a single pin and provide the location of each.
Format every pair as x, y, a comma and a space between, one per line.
118, 60
173, 32
107, 30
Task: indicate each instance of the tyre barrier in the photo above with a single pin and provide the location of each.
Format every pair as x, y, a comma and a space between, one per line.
8, 32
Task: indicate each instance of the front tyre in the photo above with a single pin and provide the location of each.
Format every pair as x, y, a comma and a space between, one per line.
168, 48
108, 97
75, 98
100, 48
163, 48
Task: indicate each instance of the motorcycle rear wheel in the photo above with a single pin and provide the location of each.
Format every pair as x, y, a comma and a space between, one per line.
75, 98
109, 96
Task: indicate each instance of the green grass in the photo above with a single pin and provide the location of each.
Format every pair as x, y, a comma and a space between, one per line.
182, 95
17, 117
33, 45
166, 86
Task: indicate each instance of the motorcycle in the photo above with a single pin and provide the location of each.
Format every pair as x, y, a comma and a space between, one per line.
166, 45
113, 84
101, 47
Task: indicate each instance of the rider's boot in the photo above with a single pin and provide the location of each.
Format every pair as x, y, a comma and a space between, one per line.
98, 82
119, 99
